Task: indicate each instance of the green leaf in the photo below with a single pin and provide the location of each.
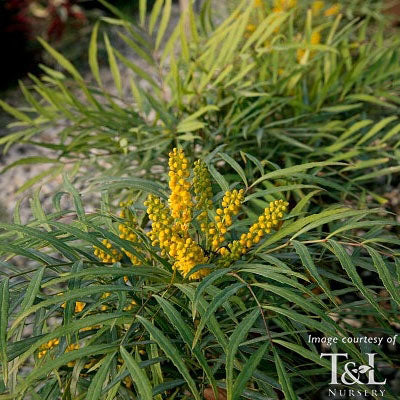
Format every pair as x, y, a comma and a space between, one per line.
29, 161
113, 65
236, 338
284, 379
307, 354
205, 282
308, 264
14, 112
287, 172
94, 65
97, 382
4, 299
384, 274
138, 376
155, 12
248, 370
61, 60
164, 23
376, 128
348, 266
219, 299
62, 360
235, 166
171, 352
218, 178
142, 11
187, 335
189, 126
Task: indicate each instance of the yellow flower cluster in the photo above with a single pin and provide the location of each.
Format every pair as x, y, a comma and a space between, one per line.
188, 254
171, 228
203, 192
162, 223
180, 201
130, 306
107, 257
231, 203
173, 239
71, 347
79, 305
270, 219
44, 348
126, 231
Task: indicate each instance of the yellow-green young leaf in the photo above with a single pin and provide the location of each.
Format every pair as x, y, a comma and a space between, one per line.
113, 65
200, 112
360, 164
155, 12
164, 23
61, 60
138, 375
379, 173
189, 126
96, 385
171, 352
14, 112
170, 45
136, 94
370, 99
94, 65
142, 11
376, 128
393, 132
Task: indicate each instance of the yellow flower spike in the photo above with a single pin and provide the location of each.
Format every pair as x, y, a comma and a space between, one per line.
107, 257
333, 10
239, 247
130, 306
180, 201
79, 306
44, 348
231, 203
258, 3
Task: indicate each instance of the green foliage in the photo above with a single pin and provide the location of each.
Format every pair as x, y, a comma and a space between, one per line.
288, 105
290, 87
155, 333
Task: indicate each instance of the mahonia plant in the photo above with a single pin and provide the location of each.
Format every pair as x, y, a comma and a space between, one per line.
186, 229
